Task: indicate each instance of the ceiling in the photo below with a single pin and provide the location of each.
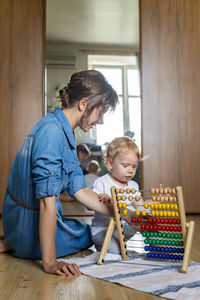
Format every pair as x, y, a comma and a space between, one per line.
103, 22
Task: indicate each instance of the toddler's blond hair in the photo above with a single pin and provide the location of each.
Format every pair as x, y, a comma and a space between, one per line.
121, 145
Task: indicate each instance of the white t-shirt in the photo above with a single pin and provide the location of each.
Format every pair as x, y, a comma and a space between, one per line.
103, 185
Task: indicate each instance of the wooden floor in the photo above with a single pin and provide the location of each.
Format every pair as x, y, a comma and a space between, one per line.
24, 279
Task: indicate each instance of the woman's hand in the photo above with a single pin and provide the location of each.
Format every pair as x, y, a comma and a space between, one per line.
105, 198
62, 268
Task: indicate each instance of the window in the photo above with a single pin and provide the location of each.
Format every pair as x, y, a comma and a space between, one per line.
123, 74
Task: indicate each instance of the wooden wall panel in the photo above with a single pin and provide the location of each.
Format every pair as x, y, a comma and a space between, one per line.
22, 28
170, 66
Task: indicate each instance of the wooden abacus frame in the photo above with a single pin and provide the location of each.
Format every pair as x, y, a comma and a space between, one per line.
187, 230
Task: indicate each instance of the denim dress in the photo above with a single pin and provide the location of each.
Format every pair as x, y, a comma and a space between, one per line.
45, 165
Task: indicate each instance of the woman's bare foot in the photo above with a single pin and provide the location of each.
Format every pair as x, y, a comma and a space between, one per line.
4, 246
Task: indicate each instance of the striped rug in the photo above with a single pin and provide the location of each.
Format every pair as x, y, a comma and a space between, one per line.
158, 278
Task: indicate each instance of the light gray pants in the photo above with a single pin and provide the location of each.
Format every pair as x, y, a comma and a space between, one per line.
114, 246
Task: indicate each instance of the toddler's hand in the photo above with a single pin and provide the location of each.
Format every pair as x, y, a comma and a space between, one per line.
105, 198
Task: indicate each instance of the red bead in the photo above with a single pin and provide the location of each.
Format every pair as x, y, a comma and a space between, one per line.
166, 221
159, 227
170, 221
150, 220
143, 226
179, 228
147, 227
175, 228
158, 220
151, 227
139, 220
134, 219
167, 228
155, 227
154, 220
178, 221
171, 228
174, 221
163, 228
162, 221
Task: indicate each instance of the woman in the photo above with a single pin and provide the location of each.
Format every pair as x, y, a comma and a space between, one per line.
47, 165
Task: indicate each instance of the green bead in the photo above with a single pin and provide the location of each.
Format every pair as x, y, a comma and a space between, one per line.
144, 234
157, 242
168, 235
161, 242
146, 241
169, 242
165, 242
180, 236
153, 242
152, 234
173, 243
164, 235
155, 234
147, 234
177, 243
172, 235
159, 234
176, 235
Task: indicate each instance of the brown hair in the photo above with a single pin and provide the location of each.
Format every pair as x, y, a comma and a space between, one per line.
83, 148
93, 167
89, 84
121, 144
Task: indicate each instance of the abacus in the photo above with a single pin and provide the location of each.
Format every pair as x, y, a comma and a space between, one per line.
161, 221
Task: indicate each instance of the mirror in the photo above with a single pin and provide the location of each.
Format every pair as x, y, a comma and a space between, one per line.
103, 35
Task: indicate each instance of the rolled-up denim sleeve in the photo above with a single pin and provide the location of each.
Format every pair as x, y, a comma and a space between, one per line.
47, 160
78, 181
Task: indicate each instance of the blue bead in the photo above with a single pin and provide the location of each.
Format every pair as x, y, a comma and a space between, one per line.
149, 255
175, 257
150, 248
163, 256
174, 250
162, 249
168, 256
160, 256
158, 249
156, 255
178, 250
170, 250
146, 248
182, 250
166, 249
154, 248
171, 256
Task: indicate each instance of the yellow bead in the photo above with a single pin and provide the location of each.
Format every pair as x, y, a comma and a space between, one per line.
169, 213
153, 213
161, 213
152, 205
123, 198
146, 205
160, 206
172, 206
137, 212
128, 191
157, 213
125, 212
156, 206
173, 214
175, 206
120, 205
165, 213
124, 205
163, 206
133, 191
177, 214
144, 213
130, 198
167, 206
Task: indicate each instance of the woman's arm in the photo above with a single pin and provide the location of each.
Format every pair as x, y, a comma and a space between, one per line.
47, 228
91, 200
